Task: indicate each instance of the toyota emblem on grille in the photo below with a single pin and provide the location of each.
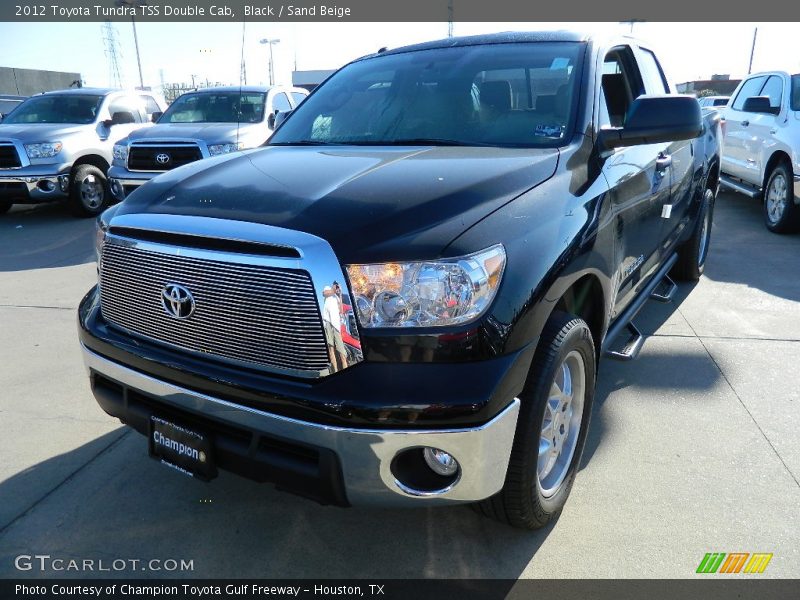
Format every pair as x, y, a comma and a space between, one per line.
163, 158
177, 301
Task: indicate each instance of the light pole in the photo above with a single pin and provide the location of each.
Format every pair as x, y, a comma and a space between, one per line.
134, 3
270, 43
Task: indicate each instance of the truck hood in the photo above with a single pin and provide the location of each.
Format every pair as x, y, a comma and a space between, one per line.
212, 133
371, 204
41, 132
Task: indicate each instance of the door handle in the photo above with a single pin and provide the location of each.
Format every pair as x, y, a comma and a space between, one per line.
773, 131
745, 123
663, 161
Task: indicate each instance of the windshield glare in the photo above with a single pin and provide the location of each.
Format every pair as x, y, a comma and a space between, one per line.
209, 107
498, 94
75, 109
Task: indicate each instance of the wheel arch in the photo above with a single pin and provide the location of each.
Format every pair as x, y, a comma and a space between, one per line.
777, 157
584, 297
91, 159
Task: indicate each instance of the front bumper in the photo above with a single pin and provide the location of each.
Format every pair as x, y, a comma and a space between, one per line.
123, 182
33, 184
354, 465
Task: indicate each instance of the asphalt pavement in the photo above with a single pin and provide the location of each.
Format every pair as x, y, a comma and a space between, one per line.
693, 447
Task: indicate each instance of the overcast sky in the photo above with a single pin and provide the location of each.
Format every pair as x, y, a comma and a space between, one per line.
213, 50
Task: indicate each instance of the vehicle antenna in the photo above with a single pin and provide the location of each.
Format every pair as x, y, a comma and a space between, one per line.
242, 77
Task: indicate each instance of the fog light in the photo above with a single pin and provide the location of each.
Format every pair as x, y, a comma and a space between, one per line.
440, 462
46, 186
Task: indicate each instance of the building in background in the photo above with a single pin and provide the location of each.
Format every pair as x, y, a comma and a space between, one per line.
718, 85
310, 79
27, 82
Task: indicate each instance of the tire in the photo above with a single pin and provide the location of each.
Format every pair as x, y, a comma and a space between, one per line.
781, 214
693, 252
533, 495
5, 206
89, 194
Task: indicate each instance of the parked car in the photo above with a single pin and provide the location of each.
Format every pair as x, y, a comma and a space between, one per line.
761, 149
200, 124
9, 103
717, 102
496, 208
58, 145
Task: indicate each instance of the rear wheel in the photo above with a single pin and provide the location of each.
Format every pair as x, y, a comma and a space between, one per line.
781, 214
5, 206
88, 191
552, 427
693, 252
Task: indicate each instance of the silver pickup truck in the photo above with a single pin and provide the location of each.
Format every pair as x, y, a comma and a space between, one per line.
59, 144
198, 125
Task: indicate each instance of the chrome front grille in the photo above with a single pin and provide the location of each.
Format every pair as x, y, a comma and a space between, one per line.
248, 314
145, 156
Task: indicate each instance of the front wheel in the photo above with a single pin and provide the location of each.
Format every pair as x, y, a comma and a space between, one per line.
88, 191
556, 405
781, 214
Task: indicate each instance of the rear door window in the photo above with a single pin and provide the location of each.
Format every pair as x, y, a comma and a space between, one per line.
773, 89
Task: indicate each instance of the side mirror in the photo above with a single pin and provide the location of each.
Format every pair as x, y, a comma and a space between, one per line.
280, 118
271, 120
654, 119
760, 104
156, 116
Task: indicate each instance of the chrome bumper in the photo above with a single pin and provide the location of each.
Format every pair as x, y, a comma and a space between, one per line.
40, 187
119, 178
365, 454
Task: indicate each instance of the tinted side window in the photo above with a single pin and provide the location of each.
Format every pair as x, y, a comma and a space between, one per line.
150, 105
652, 73
751, 88
126, 104
621, 85
795, 92
281, 102
774, 89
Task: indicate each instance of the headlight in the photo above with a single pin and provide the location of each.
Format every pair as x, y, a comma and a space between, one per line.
43, 149
216, 149
427, 294
121, 152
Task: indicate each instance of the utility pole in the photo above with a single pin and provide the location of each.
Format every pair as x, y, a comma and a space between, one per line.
133, 4
270, 43
449, 18
752, 51
631, 22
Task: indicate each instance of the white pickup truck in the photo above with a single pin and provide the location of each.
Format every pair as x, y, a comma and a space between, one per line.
761, 149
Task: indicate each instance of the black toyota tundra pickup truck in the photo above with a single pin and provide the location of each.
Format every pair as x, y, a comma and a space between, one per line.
403, 298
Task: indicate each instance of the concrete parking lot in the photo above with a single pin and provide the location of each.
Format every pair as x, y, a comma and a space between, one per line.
694, 447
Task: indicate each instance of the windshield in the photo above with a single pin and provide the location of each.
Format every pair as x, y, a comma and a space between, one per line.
223, 107
497, 94
75, 109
